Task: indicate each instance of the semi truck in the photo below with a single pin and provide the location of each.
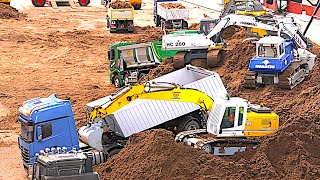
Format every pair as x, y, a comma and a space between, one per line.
120, 19
130, 61
170, 18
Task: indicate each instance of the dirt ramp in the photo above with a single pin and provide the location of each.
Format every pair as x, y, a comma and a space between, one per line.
8, 12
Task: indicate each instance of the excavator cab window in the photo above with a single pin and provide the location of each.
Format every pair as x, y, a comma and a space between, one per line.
241, 111
269, 51
228, 118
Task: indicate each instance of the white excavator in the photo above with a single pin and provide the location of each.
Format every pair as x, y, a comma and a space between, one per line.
209, 45
187, 99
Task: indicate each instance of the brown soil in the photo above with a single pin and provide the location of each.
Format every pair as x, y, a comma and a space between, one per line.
194, 26
151, 34
172, 6
291, 153
118, 4
8, 12
164, 68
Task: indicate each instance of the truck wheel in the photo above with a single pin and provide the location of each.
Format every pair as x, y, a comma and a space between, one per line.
113, 153
116, 81
39, 3
189, 123
84, 2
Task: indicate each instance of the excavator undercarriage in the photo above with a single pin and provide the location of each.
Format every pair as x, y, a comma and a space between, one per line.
209, 143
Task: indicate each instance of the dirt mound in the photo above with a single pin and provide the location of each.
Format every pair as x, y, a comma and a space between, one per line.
8, 12
194, 26
172, 5
150, 34
118, 4
164, 68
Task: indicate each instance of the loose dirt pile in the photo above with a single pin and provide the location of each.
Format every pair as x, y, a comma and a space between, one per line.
150, 34
291, 153
8, 12
172, 5
164, 68
118, 4
194, 26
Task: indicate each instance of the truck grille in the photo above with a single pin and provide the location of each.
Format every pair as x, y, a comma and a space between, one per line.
25, 154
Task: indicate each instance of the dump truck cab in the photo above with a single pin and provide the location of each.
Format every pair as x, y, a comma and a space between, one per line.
45, 123
130, 61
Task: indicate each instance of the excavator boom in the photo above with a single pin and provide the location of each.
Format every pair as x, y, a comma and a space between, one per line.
167, 92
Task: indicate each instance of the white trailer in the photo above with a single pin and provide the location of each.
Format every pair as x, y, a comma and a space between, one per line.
143, 114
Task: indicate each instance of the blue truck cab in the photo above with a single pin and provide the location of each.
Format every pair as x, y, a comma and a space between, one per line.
45, 123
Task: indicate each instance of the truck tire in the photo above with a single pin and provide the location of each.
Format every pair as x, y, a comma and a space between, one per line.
113, 153
84, 2
39, 3
157, 21
116, 81
188, 123
184, 25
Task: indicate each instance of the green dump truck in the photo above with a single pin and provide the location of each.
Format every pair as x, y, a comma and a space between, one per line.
130, 61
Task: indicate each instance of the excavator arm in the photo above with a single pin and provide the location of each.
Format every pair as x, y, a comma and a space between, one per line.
166, 92
285, 26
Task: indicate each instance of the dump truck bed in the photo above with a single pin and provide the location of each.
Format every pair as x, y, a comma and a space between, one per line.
172, 14
121, 14
142, 114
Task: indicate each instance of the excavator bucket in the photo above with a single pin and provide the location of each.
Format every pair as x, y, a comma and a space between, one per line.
92, 135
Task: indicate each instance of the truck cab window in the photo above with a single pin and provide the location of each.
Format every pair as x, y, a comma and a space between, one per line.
267, 51
46, 130
228, 118
112, 54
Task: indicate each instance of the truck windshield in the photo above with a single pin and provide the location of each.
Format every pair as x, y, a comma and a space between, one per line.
26, 132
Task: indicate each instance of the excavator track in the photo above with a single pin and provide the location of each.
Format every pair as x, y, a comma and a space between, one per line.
178, 60
215, 57
293, 75
217, 146
250, 80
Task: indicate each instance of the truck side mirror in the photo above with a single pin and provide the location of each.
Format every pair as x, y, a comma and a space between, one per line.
39, 133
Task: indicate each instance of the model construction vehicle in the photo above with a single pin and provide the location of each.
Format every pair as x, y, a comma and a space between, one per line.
130, 62
243, 7
210, 46
199, 101
279, 61
168, 14
120, 18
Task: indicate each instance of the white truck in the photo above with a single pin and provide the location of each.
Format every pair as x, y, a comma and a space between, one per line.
170, 18
120, 19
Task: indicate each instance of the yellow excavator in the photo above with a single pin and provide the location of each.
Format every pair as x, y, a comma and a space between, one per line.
5, 1
199, 105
